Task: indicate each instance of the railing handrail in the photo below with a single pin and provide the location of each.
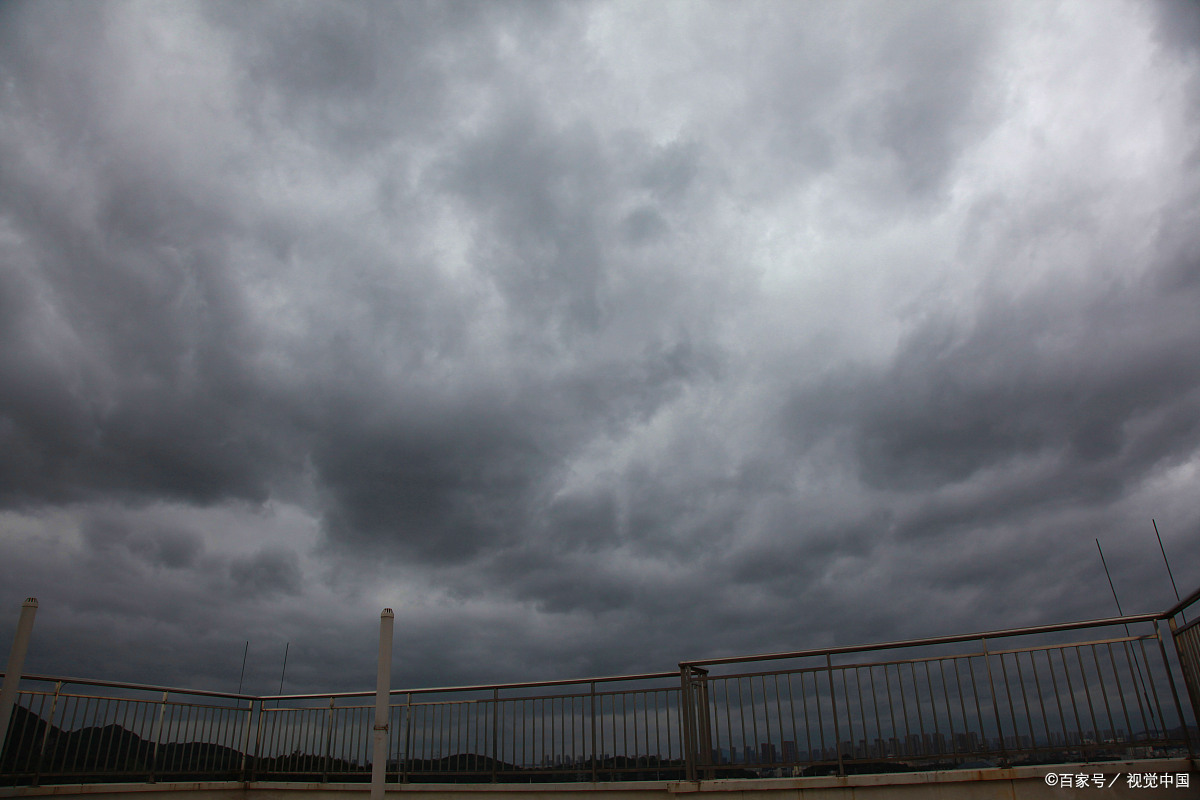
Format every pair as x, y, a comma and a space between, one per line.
148, 687
928, 641
483, 687
1182, 604
330, 695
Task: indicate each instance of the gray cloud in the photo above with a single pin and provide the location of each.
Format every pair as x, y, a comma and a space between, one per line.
588, 341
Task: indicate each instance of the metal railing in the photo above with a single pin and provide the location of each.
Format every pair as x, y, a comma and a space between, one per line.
1003, 697
1085, 691
590, 729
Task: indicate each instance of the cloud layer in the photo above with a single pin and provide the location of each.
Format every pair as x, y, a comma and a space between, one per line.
589, 337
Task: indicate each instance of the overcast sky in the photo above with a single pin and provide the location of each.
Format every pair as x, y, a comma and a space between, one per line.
589, 337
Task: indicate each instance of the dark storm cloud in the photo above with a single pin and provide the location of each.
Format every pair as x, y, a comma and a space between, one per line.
1179, 24
267, 572
171, 548
1098, 388
589, 340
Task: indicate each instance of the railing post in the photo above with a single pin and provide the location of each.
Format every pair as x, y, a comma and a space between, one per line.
1191, 675
693, 696
703, 723
16, 662
382, 692
253, 722
686, 736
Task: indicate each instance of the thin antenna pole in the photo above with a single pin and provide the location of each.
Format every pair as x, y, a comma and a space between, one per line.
1168, 563
285, 652
1110, 583
245, 653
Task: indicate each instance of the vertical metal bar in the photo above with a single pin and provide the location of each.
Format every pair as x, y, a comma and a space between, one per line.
949, 708
728, 718
754, 719
962, 704
625, 727
887, 683
174, 758
879, 748
1062, 652
657, 731
1024, 697
123, 750
978, 707
912, 668
837, 730
83, 744
1121, 695
446, 733
328, 742
792, 717
96, 759
495, 730
206, 753
1142, 708
820, 714
987, 660
406, 712
72, 741
1104, 693
937, 731
1062, 717
1012, 711
46, 733
437, 713
1154, 690
779, 717
849, 712
104, 748
1037, 682
904, 707
162, 709
1087, 693
592, 714
646, 724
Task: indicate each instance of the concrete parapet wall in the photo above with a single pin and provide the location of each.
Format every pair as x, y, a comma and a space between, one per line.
1018, 783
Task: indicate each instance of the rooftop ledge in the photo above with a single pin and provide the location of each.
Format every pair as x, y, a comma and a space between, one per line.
1025, 781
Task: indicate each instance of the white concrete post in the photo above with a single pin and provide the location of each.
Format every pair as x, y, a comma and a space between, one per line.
382, 691
16, 661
